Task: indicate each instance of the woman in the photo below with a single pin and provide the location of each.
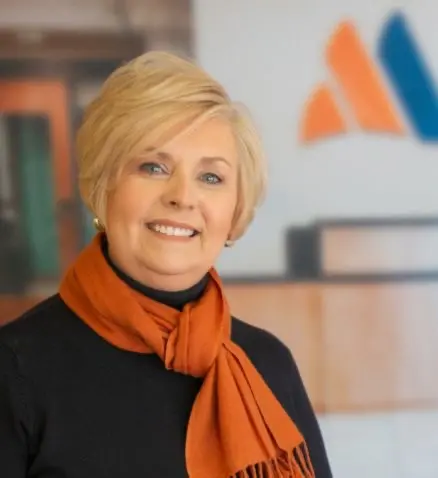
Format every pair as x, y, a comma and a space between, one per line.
136, 369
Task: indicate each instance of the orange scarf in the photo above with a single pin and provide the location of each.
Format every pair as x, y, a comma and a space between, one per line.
237, 428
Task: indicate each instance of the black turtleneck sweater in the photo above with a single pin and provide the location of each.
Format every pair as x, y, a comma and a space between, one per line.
74, 406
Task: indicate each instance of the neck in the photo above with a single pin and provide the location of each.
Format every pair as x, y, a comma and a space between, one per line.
175, 299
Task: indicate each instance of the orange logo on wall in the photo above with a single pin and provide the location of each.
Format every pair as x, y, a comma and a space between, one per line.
360, 84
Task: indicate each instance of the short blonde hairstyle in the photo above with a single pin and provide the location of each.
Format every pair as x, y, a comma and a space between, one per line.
151, 98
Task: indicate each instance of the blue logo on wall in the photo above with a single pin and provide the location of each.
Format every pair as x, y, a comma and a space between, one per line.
410, 77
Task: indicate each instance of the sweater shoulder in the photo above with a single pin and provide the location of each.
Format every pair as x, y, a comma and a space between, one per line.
41, 323
259, 344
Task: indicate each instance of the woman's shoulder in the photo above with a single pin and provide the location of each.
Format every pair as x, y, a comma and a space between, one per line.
36, 327
260, 344
273, 360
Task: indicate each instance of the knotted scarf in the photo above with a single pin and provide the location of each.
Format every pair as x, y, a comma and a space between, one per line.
237, 428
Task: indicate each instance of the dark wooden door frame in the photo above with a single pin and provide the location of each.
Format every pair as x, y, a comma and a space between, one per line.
58, 46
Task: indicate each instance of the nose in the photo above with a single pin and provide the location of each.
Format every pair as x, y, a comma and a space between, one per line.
179, 193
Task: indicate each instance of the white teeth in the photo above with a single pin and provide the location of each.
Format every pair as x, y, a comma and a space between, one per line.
172, 231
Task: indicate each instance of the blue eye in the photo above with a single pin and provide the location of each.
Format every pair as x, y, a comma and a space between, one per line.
152, 168
211, 178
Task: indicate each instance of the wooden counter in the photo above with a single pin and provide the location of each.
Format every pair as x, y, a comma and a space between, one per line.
358, 346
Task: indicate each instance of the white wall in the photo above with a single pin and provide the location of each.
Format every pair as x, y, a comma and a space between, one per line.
269, 54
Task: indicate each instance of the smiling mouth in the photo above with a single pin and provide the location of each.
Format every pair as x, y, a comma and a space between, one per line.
172, 231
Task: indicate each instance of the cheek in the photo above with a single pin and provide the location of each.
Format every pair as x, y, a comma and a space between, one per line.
129, 201
118, 205
220, 217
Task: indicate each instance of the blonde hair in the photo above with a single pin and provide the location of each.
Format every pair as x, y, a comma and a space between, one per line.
152, 98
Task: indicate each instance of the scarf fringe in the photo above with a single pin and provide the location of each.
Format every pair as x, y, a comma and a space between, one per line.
295, 464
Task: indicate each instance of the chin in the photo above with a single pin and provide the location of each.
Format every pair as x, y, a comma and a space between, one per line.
171, 267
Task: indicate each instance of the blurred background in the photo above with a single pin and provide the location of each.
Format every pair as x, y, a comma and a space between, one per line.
341, 262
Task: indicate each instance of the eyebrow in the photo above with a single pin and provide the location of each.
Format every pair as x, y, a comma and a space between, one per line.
205, 159
215, 159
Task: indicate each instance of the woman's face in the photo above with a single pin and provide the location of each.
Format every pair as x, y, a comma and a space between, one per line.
172, 210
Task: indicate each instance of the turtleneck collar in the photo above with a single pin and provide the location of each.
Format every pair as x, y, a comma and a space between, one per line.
174, 299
